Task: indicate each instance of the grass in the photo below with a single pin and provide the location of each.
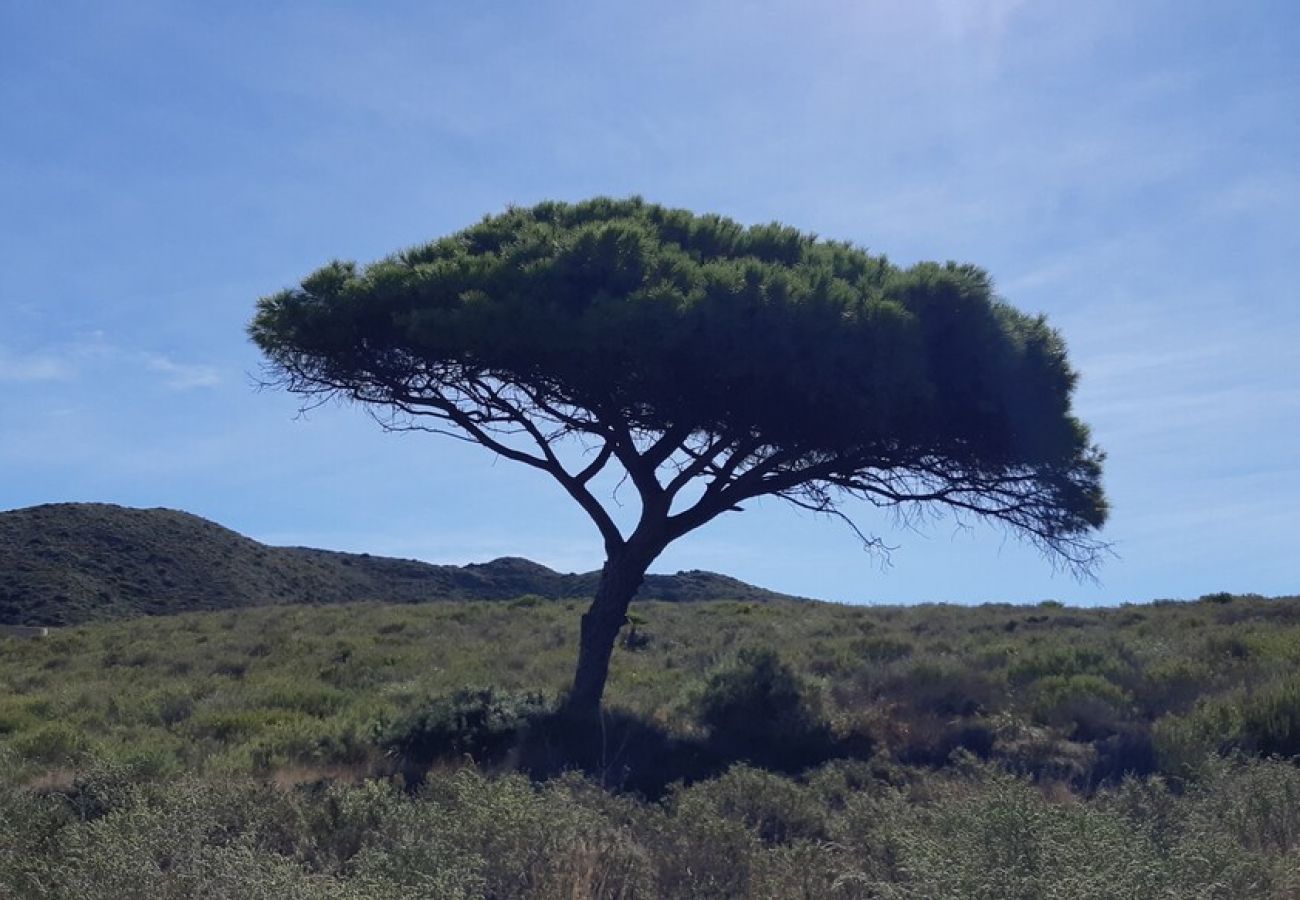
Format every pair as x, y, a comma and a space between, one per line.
931, 751
1078, 693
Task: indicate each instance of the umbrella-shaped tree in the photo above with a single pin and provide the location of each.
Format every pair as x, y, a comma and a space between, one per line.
711, 363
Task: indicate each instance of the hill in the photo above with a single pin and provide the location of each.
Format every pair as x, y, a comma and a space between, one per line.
69, 563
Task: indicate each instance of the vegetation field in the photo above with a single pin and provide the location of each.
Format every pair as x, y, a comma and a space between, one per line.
782, 749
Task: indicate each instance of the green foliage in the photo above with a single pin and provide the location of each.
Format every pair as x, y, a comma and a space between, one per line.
882, 648
775, 363
480, 724
775, 809
944, 688
809, 343
1063, 659
755, 707
843, 832
1051, 699
1271, 719
55, 743
1265, 722
1088, 706
153, 780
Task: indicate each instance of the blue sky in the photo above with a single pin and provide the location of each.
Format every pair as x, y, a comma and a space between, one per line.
1129, 169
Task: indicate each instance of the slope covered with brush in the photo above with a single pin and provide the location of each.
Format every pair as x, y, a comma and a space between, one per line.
67, 563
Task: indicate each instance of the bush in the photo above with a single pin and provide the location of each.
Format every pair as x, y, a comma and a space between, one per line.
55, 744
775, 809
1087, 706
1185, 743
757, 709
1270, 722
1266, 723
1173, 685
943, 689
1062, 660
481, 724
881, 648
1006, 840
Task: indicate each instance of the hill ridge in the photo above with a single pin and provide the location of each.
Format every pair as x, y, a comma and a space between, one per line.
68, 563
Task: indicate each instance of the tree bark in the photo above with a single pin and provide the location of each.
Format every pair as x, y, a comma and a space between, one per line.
620, 578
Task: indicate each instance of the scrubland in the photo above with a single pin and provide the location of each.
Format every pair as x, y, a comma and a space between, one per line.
749, 750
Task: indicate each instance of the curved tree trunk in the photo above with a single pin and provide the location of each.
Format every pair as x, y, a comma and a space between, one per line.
619, 580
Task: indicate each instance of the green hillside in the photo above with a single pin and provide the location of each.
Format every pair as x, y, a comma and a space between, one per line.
64, 564
786, 749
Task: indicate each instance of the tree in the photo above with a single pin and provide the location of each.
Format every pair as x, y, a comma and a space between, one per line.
711, 363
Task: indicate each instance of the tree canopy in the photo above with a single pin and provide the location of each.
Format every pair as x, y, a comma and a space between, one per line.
691, 350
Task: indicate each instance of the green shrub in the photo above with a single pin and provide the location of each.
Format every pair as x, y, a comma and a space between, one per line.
1257, 802
1005, 840
1264, 723
314, 699
54, 743
1173, 685
1270, 720
302, 740
882, 648
698, 853
481, 724
234, 724
1057, 659
15, 717
1088, 706
943, 688
757, 709
775, 809
1184, 743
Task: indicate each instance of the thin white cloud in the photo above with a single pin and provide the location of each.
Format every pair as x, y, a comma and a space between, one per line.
22, 368
1252, 194
182, 376
70, 360
976, 20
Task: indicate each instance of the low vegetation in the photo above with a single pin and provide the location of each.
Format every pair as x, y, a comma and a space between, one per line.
751, 750
74, 563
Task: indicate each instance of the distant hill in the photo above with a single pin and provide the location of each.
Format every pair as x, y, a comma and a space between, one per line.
67, 563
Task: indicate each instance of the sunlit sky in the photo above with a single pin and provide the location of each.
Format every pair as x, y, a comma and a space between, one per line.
1129, 169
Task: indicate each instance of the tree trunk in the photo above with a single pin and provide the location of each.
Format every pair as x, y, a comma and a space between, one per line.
619, 580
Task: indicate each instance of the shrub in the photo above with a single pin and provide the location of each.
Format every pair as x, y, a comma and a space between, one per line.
481, 724
757, 709
775, 809
313, 699
1256, 801
1184, 743
1266, 723
944, 689
1088, 706
1005, 839
1270, 722
1173, 685
1130, 752
56, 743
1058, 659
881, 648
